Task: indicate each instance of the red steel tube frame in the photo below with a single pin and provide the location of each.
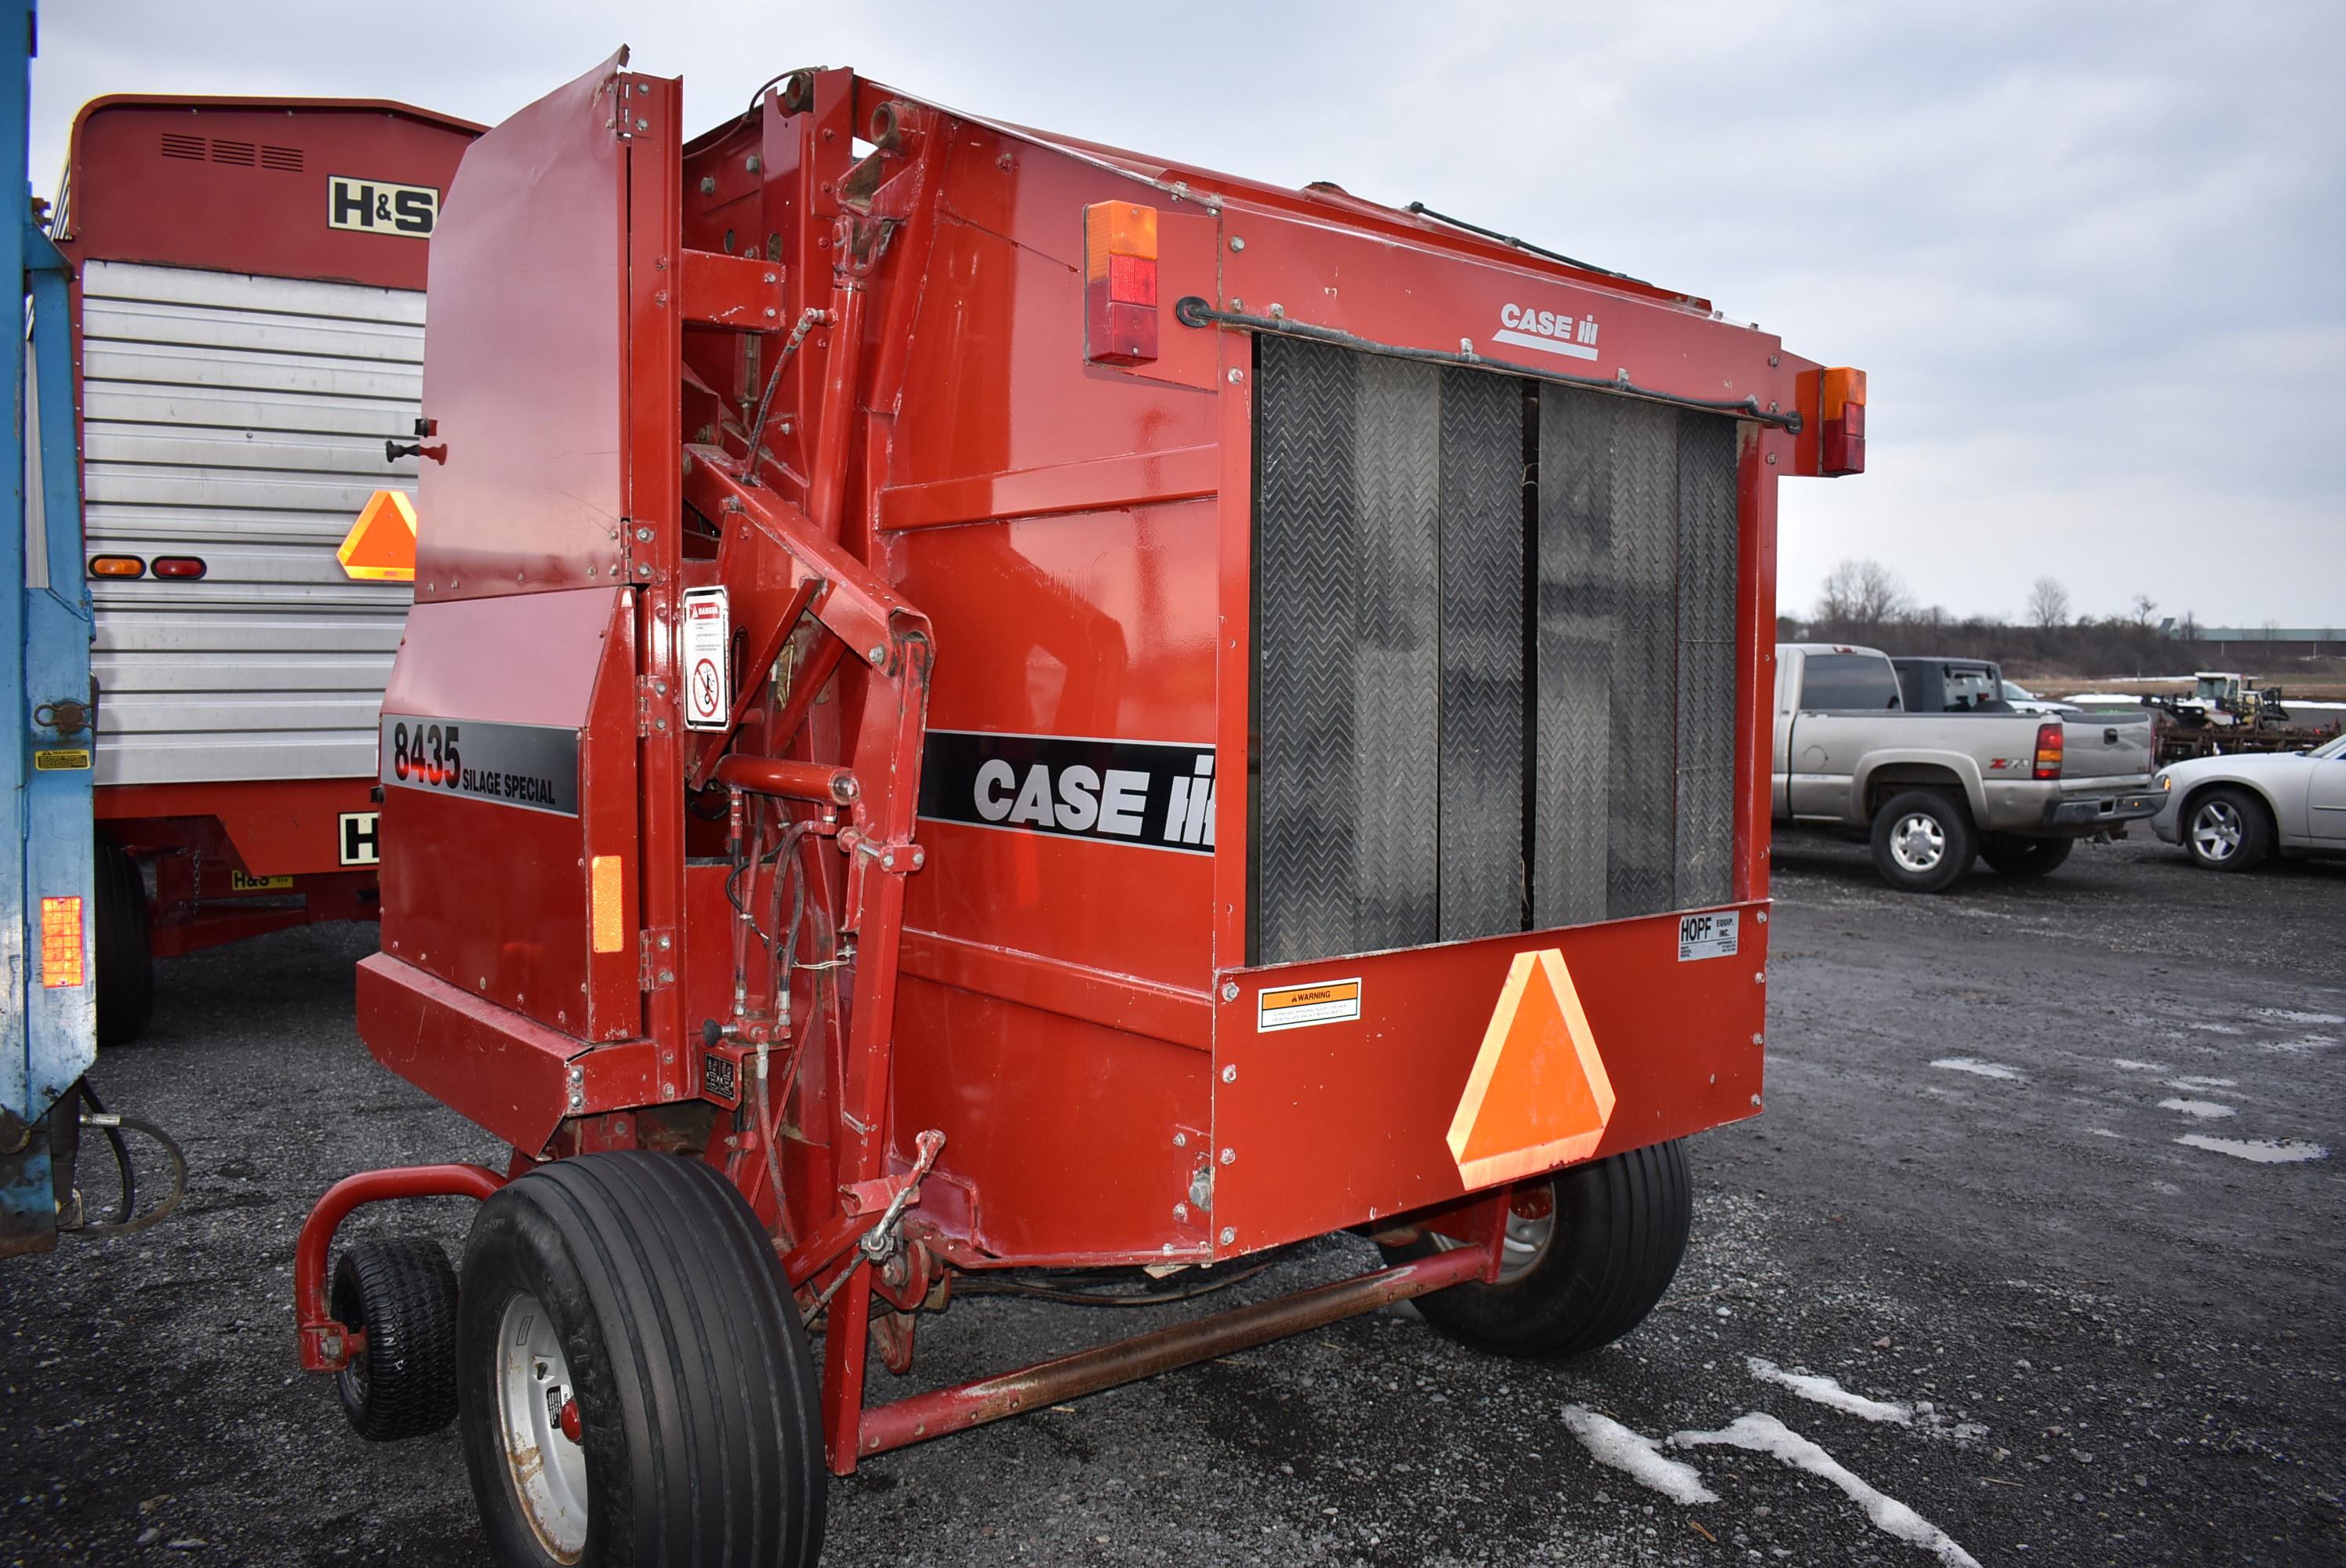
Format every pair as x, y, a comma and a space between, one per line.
966, 1405
326, 1344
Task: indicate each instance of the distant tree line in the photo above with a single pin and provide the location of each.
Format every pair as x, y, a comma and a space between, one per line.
1864, 601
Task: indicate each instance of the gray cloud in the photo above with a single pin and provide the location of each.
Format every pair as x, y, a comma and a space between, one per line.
2089, 254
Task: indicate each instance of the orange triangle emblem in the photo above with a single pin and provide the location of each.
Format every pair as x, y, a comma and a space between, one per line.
1538, 1097
380, 545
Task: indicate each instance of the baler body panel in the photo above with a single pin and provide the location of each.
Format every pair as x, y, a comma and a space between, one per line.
1077, 977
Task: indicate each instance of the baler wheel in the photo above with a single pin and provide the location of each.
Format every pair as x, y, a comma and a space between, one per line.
400, 1292
1584, 1274
124, 968
635, 1386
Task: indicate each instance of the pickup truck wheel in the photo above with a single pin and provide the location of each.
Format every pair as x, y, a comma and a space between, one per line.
2227, 830
1921, 842
1589, 1251
2013, 856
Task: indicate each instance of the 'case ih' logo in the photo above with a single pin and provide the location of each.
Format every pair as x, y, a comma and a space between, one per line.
377, 206
1549, 331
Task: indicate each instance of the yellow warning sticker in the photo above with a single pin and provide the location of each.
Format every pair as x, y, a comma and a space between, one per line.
61, 942
60, 759
237, 882
1296, 1006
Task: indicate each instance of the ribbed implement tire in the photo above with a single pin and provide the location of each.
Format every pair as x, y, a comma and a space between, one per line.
696, 1392
402, 1292
1621, 1225
125, 970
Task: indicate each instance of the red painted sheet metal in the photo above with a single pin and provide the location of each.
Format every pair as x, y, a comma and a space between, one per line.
487, 1063
562, 662
1328, 1124
240, 185
523, 357
281, 827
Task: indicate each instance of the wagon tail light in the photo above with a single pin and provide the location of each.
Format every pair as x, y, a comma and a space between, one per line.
176, 566
1120, 283
2048, 751
116, 566
1841, 435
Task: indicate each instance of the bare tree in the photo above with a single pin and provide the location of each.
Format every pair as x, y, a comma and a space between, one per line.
2048, 604
1863, 594
2144, 607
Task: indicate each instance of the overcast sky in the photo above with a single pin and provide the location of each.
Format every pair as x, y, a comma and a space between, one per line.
2089, 254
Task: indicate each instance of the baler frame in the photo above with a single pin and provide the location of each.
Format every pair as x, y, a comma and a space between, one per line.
756, 411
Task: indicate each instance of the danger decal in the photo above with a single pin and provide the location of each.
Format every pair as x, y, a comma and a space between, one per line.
1158, 795
531, 765
379, 206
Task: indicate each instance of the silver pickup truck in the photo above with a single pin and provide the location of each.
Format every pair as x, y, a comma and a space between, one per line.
1934, 789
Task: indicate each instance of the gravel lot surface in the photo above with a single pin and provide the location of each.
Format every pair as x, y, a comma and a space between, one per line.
1969, 1204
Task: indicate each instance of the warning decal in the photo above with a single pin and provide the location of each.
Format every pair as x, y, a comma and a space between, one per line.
61, 759
1296, 1006
61, 942
708, 660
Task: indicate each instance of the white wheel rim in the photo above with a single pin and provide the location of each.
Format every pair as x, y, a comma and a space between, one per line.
1526, 1241
1918, 843
548, 1470
2215, 830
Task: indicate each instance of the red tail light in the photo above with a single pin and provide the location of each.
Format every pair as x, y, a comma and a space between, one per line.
177, 567
1120, 283
2048, 751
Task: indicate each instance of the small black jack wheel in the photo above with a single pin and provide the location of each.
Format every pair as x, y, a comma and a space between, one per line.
635, 1386
2016, 857
402, 1294
1588, 1252
1922, 841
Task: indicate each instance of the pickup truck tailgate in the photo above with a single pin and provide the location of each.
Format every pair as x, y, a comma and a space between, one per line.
2109, 748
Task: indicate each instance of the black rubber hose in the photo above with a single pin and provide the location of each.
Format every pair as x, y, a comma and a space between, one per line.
163, 1210
130, 1204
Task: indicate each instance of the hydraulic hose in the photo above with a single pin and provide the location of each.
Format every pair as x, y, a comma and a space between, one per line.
108, 1121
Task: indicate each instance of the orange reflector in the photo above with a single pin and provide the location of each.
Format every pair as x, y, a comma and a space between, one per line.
1538, 1097
1841, 435
1120, 283
116, 566
607, 903
61, 942
380, 545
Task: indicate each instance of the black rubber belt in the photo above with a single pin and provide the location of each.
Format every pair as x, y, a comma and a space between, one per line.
1192, 311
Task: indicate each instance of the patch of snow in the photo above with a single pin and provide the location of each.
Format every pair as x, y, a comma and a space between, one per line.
1826, 1391
2133, 1066
2102, 1132
2310, 1042
2263, 1151
2291, 1015
1637, 1456
1984, 1069
2203, 1083
2206, 1110
2216, 1028
1762, 1433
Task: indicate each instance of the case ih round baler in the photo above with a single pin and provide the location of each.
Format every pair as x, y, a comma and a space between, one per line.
977, 702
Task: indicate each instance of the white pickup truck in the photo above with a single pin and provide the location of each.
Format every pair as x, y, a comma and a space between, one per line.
1933, 789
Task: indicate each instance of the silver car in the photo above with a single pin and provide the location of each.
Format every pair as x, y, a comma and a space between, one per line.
2232, 812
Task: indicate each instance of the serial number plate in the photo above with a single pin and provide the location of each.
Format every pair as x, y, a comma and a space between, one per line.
1707, 936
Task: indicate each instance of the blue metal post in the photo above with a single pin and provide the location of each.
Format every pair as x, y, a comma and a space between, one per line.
47, 912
